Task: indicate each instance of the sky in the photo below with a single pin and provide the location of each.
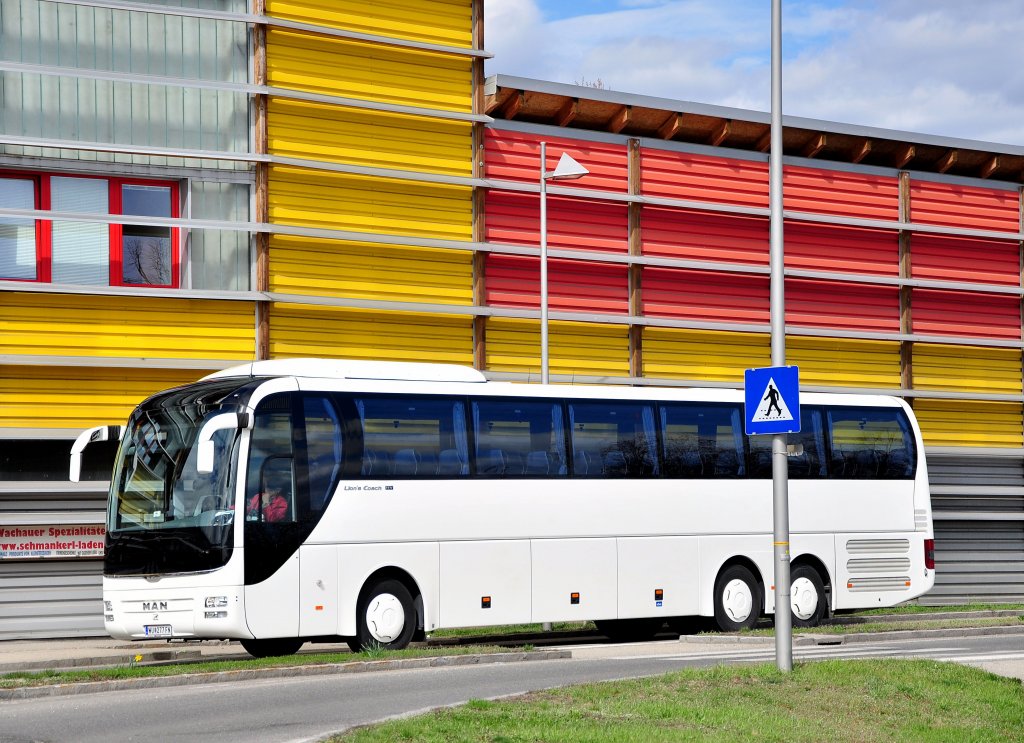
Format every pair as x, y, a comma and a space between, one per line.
953, 68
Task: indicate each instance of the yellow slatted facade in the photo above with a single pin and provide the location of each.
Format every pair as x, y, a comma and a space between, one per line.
310, 198
702, 356
79, 397
372, 72
330, 268
967, 369
844, 362
329, 332
325, 133
375, 139
970, 423
443, 22
156, 327
585, 349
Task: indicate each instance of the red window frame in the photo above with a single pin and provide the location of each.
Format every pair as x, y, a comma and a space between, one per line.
44, 227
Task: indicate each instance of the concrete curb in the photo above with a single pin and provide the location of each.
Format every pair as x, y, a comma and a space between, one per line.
829, 639
327, 669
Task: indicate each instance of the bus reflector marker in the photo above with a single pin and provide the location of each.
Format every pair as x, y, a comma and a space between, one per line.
319, 607
485, 602
574, 598
659, 594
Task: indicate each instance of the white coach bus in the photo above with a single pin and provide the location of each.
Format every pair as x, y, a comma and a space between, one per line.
286, 501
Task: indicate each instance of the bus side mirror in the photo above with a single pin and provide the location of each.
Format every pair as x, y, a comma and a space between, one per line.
99, 433
205, 450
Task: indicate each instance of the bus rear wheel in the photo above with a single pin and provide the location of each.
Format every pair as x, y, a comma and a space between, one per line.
808, 597
738, 599
386, 617
270, 648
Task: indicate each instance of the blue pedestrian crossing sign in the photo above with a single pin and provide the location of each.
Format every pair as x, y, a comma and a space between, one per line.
772, 400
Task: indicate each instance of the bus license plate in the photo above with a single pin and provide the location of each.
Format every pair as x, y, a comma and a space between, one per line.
158, 630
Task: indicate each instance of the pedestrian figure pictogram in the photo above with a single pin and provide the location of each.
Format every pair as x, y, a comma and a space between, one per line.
772, 406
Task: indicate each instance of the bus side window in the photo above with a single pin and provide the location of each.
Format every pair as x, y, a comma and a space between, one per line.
324, 452
413, 437
614, 439
870, 444
702, 440
519, 438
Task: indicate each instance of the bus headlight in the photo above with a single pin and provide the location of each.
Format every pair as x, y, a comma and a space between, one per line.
216, 602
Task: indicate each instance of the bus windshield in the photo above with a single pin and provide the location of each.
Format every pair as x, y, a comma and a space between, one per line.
162, 511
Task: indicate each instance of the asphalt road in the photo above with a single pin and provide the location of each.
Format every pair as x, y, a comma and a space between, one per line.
309, 708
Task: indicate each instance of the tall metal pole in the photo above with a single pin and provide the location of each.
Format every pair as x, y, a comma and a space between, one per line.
543, 264
780, 462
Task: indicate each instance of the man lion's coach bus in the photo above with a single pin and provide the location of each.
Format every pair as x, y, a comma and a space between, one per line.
281, 502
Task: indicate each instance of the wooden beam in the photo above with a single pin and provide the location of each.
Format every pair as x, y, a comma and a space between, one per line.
816, 145
512, 105
904, 156
671, 127
620, 120
948, 161
569, 111
861, 152
720, 133
991, 166
765, 142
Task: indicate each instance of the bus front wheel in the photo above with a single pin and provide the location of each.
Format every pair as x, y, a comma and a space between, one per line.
386, 617
737, 599
270, 648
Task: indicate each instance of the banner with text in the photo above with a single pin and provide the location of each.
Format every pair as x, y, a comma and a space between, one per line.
51, 542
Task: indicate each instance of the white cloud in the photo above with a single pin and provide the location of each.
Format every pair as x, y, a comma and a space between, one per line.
944, 66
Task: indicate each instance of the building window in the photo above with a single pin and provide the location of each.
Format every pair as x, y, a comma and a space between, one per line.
82, 252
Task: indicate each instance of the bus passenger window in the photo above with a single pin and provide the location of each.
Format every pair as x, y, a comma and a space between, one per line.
519, 438
702, 440
613, 439
871, 444
805, 460
413, 437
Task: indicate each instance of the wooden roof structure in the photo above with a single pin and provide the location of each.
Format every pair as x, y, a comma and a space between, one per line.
594, 109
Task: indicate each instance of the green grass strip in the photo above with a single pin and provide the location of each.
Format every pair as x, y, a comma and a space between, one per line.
887, 701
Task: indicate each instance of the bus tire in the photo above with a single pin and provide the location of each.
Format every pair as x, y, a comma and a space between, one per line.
808, 596
272, 647
629, 630
738, 600
386, 617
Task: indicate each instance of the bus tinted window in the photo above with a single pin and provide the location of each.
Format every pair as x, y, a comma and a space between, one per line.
323, 448
613, 439
413, 437
519, 438
871, 443
702, 440
806, 458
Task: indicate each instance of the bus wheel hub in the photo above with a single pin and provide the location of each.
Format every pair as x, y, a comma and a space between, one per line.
385, 618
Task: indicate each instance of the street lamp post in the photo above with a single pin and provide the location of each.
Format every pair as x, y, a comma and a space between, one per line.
566, 170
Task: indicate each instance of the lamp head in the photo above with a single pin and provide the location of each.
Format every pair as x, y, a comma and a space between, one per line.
567, 169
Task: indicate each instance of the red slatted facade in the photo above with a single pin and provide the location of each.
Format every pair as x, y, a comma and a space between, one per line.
575, 224
842, 306
693, 177
965, 259
954, 205
573, 286
817, 247
841, 193
704, 236
968, 314
706, 296
515, 156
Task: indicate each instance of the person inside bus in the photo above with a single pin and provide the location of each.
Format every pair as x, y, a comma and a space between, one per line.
270, 501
